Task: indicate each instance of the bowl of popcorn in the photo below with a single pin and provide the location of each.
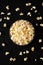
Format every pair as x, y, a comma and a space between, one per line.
22, 32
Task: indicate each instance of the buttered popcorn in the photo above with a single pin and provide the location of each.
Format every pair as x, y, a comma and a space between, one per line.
22, 32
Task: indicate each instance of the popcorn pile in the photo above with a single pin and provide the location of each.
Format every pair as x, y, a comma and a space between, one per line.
22, 32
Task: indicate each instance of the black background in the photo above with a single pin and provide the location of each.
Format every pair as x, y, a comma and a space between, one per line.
13, 48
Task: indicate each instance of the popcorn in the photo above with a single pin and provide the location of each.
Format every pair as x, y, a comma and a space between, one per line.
22, 32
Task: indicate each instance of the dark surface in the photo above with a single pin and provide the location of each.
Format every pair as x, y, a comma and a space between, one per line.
13, 48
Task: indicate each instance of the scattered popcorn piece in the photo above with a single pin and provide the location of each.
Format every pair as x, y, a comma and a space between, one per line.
12, 59
20, 53
35, 11
29, 13
25, 59
32, 49
39, 18
27, 51
3, 44
6, 53
0, 19
41, 58
4, 24
24, 52
28, 4
17, 9
7, 7
34, 7
36, 24
42, 48
31, 8
2, 13
40, 40
41, 24
5, 18
8, 18
21, 14
42, 3
0, 33
35, 59
8, 13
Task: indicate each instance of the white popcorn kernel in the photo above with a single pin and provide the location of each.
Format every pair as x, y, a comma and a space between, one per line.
12, 59
32, 49
41, 58
34, 7
21, 14
39, 18
25, 59
41, 24
41, 48
0, 19
29, 13
17, 9
4, 25
28, 4
2, 13
35, 59
8, 13
8, 18
0, 33
42, 3
24, 52
27, 51
5, 18
7, 7
35, 11
3, 44
40, 40
6, 53
20, 53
